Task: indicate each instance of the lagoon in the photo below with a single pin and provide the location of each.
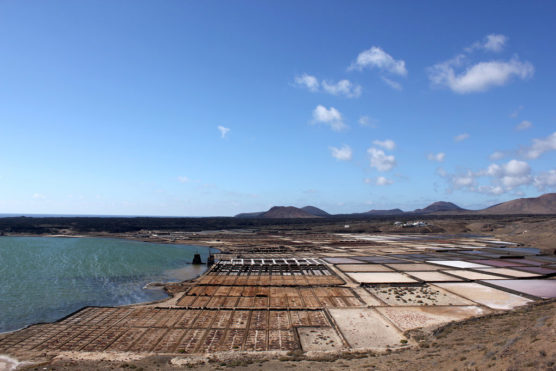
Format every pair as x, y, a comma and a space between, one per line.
43, 279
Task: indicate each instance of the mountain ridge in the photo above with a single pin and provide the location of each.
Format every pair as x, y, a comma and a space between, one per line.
284, 212
543, 204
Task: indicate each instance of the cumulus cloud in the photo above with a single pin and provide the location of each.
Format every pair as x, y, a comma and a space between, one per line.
183, 179
495, 42
379, 181
380, 160
438, 157
545, 180
540, 146
516, 112
461, 137
466, 179
492, 43
391, 83
463, 76
343, 154
491, 190
497, 156
523, 125
383, 181
503, 178
388, 144
307, 81
480, 76
329, 116
367, 121
510, 175
375, 57
223, 131
342, 88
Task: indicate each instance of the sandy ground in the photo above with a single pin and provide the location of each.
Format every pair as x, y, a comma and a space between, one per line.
539, 232
416, 295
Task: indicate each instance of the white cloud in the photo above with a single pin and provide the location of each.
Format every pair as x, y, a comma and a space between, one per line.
540, 146
379, 181
515, 113
344, 153
462, 76
466, 179
503, 178
380, 160
376, 57
367, 121
223, 131
492, 43
545, 180
330, 117
307, 81
495, 42
512, 174
492, 190
388, 144
479, 77
461, 137
512, 168
497, 156
183, 179
523, 125
38, 196
391, 83
342, 87
438, 157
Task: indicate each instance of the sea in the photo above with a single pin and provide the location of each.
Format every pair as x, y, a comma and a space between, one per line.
43, 279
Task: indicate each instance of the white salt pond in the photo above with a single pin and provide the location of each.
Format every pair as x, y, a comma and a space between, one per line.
492, 298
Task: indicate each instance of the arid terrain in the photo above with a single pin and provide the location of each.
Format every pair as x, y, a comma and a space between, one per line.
522, 339
446, 292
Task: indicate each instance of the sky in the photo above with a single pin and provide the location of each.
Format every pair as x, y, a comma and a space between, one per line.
205, 108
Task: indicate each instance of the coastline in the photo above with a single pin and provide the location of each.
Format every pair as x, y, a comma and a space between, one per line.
155, 330
166, 287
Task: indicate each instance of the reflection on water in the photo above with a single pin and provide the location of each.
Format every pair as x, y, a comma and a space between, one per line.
43, 279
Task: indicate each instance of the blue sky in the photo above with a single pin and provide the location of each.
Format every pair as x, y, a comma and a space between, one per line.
215, 108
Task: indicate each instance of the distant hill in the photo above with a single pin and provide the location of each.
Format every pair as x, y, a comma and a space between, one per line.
250, 215
545, 204
286, 212
315, 211
439, 206
384, 212
282, 212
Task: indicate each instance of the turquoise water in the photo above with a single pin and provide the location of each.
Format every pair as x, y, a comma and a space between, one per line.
43, 279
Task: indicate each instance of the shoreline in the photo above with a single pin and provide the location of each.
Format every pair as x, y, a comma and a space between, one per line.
163, 286
339, 309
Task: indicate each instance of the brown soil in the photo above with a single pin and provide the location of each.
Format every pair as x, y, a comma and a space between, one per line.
522, 339
545, 204
533, 232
